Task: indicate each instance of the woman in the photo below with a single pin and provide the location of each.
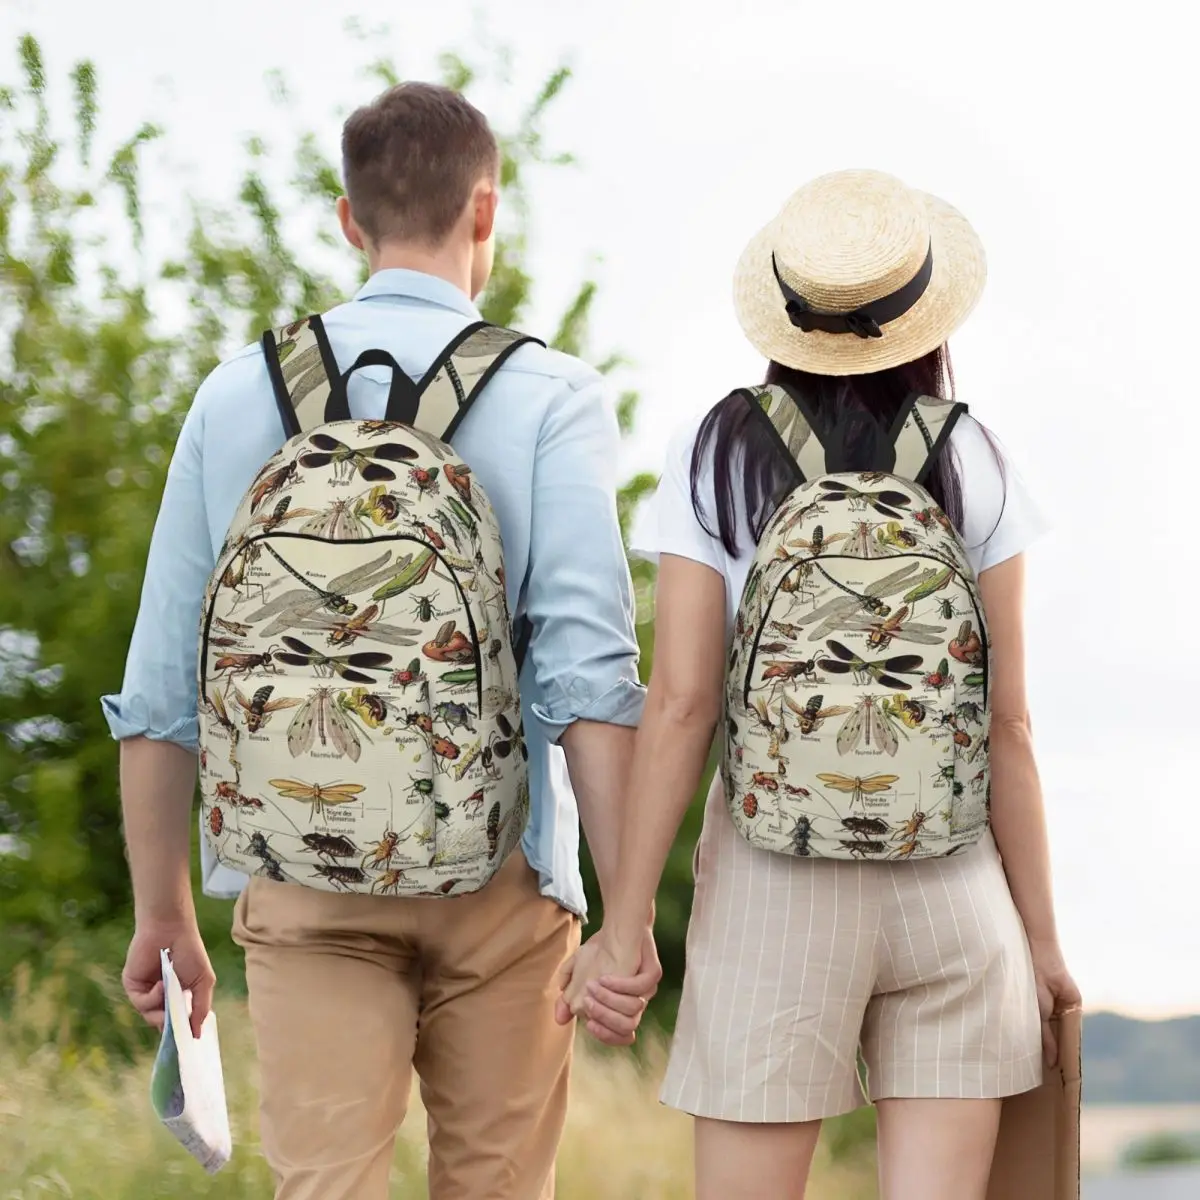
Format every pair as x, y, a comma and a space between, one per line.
936, 968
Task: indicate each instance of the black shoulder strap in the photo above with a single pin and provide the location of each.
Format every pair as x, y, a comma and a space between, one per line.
794, 427
460, 373
302, 370
922, 428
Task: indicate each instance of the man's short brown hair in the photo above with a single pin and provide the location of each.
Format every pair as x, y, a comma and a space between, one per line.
410, 159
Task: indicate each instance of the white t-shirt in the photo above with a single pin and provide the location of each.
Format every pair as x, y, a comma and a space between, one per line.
1000, 518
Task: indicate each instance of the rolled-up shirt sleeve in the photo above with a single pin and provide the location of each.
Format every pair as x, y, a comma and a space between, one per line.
158, 695
579, 596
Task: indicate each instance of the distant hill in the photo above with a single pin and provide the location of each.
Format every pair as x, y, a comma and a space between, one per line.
1140, 1062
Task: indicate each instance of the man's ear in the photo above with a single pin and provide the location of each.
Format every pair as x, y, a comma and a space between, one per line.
350, 229
487, 197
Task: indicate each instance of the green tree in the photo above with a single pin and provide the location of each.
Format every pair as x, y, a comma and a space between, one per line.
93, 386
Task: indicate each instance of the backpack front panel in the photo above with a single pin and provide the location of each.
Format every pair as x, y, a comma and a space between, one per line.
856, 691
360, 727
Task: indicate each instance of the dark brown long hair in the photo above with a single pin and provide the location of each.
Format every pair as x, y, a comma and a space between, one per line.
749, 461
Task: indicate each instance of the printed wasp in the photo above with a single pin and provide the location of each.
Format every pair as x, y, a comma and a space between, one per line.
818, 542
260, 707
245, 664
281, 513
812, 715
777, 668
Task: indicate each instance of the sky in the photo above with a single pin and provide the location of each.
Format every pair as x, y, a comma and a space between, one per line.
1061, 132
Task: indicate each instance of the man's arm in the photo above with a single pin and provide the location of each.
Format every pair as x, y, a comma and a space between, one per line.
579, 599
155, 719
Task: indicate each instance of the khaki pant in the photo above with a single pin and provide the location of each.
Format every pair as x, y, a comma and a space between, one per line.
349, 993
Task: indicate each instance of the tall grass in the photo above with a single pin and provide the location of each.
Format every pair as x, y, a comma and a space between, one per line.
77, 1123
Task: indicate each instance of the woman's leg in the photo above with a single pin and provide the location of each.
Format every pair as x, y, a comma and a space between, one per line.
936, 1149
753, 1161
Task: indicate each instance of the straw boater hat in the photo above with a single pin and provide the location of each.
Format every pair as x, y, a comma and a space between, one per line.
857, 273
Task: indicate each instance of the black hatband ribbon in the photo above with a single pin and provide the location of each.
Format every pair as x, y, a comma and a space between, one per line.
864, 321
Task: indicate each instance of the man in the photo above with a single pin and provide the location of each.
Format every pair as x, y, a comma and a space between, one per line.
347, 992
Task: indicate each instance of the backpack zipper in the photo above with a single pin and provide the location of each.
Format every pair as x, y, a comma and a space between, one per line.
955, 573
309, 537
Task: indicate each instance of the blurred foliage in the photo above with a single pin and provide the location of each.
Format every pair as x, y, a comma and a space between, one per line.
1162, 1149
94, 382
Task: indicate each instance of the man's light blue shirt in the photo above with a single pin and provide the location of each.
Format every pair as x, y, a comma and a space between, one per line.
542, 440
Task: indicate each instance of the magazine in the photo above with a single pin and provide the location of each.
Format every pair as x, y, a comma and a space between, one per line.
187, 1087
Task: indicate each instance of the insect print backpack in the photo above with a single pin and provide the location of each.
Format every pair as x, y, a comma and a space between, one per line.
360, 726
856, 694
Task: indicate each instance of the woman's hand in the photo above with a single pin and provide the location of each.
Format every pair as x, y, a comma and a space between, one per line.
609, 988
1056, 991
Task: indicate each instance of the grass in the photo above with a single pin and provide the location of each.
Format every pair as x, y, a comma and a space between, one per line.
76, 1123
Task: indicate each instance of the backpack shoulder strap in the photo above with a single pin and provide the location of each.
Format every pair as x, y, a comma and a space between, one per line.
922, 428
459, 374
792, 425
302, 369
304, 376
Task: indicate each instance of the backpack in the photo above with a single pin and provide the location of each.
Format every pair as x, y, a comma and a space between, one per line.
360, 722
856, 691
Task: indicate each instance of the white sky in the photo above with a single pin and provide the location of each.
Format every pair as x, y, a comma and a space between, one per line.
1067, 138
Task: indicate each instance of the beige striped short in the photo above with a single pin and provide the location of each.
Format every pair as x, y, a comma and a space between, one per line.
796, 965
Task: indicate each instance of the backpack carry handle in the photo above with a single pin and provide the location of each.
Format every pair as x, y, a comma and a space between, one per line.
403, 400
908, 450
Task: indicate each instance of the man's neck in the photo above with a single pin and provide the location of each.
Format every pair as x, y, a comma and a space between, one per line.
448, 263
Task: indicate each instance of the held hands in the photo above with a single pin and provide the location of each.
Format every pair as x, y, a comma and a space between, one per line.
609, 988
142, 977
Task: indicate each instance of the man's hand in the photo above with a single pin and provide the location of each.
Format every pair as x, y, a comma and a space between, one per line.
608, 991
142, 977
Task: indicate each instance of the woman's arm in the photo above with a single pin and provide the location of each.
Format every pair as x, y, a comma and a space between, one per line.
683, 705
1018, 814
